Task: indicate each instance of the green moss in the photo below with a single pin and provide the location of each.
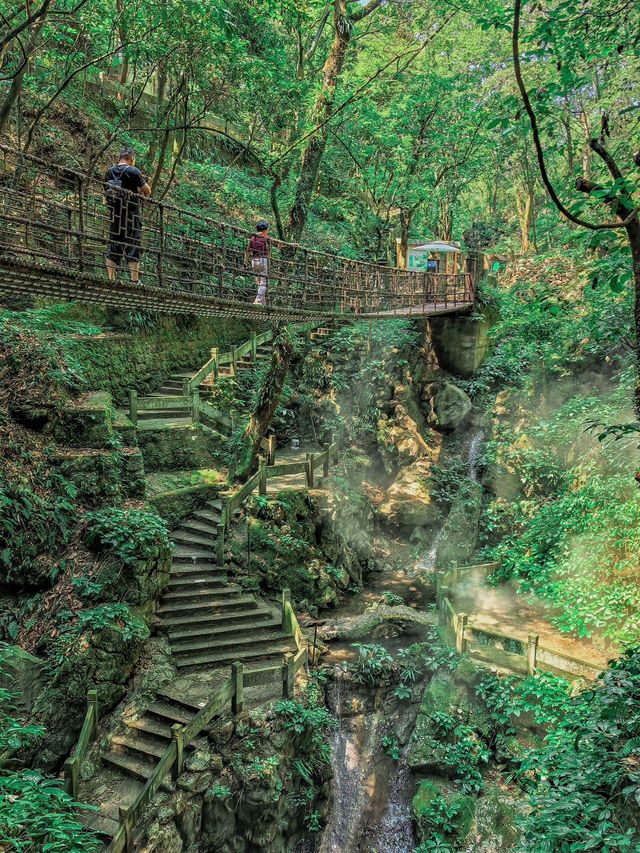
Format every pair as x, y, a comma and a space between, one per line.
178, 447
439, 810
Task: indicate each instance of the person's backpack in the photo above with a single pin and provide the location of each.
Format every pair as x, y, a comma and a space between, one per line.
113, 187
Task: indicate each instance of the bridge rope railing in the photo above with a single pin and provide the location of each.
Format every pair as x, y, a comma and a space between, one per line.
55, 221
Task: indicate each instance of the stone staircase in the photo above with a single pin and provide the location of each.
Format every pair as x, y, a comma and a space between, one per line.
263, 353
209, 620
210, 623
132, 757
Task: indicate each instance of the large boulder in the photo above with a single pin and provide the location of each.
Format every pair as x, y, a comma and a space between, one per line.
408, 502
450, 406
376, 622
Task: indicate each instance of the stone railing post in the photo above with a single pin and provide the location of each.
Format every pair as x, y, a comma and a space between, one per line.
195, 406
237, 676
532, 653
133, 407
309, 470
325, 466
177, 736
124, 813
214, 367
92, 703
220, 549
460, 626
262, 469
254, 346
287, 627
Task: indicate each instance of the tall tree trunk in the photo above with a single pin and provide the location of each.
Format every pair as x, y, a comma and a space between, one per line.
633, 233
266, 406
445, 219
523, 206
16, 84
403, 246
323, 109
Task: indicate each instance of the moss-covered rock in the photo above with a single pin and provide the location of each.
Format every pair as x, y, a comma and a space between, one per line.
307, 547
98, 650
449, 406
136, 553
495, 826
431, 800
179, 447
445, 698
86, 421
460, 532
408, 501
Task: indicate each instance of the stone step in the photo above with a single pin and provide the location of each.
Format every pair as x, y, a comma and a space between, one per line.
161, 423
105, 827
198, 582
135, 766
152, 728
211, 606
240, 616
198, 526
164, 414
188, 569
222, 659
139, 745
192, 632
170, 713
219, 644
186, 537
185, 553
199, 593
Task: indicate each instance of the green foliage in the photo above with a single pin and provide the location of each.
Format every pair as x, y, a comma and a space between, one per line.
37, 508
587, 773
391, 746
37, 815
128, 535
372, 665
299, 718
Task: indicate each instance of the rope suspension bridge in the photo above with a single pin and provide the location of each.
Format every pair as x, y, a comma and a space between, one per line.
55, 233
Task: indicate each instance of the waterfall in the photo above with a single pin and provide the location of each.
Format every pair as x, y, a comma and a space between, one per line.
474, 455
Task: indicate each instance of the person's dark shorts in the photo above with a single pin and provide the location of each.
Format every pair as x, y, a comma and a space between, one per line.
125, 233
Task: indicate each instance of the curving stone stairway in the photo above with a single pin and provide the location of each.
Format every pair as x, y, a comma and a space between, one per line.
209, 620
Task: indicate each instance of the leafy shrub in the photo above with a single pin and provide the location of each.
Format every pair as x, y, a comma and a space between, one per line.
37, 815
373, 664
588, 771
129, 535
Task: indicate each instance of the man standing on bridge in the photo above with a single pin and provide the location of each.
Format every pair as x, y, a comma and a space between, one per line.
124, 184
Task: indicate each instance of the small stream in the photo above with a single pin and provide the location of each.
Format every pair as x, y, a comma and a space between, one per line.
372, 793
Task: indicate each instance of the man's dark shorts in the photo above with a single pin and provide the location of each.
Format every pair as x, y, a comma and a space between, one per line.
125, 231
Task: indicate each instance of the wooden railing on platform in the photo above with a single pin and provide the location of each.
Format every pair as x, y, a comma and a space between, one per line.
521, 656
88, 734
258, 482
229, 695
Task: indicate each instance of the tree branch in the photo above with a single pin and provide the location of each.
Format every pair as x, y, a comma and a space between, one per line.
546, 180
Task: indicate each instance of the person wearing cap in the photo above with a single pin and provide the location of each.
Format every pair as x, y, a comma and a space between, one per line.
259, 250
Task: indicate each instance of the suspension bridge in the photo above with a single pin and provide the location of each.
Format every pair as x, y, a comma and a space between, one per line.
55, 232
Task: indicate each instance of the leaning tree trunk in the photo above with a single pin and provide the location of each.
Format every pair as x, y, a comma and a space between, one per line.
633, 232
323, 109
269, 397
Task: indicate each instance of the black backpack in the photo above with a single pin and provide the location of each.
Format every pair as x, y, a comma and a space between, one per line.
113, 187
